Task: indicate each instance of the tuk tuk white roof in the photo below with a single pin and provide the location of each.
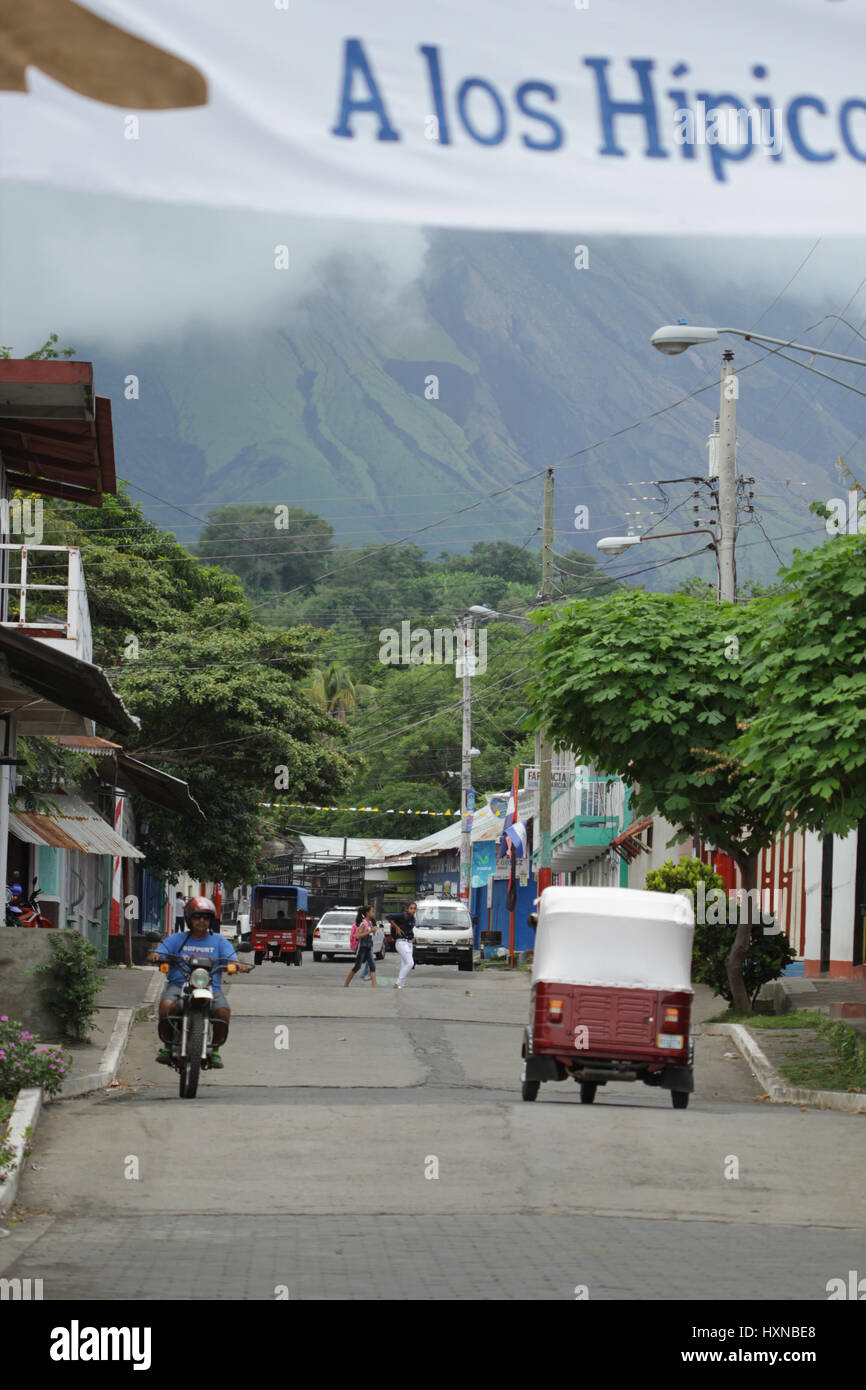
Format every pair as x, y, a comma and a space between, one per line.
620, 937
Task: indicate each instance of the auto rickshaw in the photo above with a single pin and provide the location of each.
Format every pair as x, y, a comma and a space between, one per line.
278, 923
611, 991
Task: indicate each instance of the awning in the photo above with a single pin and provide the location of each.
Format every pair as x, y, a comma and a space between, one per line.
627, 845
61, 683
157, 786
74, 825
150, 782
55, 435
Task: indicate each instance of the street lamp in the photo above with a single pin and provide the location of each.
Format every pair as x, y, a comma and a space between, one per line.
674, 338
615, 545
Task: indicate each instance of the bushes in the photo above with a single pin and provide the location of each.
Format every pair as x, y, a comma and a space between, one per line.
769, 953
23, 1064
73, 983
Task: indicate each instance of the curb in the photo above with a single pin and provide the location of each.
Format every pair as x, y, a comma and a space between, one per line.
113, 1052
28, 1106
851, 1102
24, 1117
100, 1080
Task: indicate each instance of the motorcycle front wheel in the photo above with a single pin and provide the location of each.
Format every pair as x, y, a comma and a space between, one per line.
189, 1069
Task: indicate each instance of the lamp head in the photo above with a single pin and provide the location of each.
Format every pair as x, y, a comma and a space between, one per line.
674, 338
615, 545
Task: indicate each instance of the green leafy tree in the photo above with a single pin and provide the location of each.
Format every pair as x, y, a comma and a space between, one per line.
804, 743
650, 686
411, 739
220, 697
269, 549
47, 351
768, 955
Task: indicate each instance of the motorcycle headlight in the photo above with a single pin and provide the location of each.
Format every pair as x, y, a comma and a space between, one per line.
200, 979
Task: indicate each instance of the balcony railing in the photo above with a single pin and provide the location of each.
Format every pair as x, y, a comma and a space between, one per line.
56, 612
587, 798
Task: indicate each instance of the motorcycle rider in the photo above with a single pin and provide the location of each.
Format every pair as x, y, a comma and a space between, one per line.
202, 938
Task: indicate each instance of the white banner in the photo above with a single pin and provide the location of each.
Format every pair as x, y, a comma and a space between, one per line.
561, 115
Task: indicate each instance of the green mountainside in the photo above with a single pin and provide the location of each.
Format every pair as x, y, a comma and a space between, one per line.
324, 405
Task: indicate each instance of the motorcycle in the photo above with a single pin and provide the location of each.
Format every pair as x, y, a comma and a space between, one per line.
24, 912
192, 1044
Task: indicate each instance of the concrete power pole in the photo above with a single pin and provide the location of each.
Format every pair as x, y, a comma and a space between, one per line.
466, 764
545, 848
727, 453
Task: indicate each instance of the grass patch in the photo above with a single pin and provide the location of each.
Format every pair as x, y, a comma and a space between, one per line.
795, 1019
845, 1070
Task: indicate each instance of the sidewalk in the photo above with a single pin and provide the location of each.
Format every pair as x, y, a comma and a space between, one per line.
124, 991
817, 995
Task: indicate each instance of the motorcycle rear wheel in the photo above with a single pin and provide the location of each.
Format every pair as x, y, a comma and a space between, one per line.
189, 1070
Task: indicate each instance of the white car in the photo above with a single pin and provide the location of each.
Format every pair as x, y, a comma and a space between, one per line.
443, 933
333, 933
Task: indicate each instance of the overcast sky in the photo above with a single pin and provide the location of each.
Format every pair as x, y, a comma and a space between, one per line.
104, 269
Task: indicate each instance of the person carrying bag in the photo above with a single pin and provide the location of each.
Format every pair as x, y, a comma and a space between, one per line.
361, 941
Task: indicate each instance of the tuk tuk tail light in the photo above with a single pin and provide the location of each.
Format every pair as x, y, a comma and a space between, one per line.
554, 1010
672, 1015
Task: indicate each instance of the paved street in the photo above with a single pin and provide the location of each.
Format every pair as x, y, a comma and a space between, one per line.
304, 1169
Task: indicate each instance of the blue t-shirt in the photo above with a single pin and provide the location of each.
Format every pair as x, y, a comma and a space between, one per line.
212, 946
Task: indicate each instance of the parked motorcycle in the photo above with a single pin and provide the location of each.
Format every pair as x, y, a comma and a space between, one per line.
24, 912
192, 1044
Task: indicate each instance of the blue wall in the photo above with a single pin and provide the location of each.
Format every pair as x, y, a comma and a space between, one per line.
524, 936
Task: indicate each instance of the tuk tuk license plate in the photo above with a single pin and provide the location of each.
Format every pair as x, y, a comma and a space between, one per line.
672, 1040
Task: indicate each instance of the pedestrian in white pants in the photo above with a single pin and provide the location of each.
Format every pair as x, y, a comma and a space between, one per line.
404, 933
406, 954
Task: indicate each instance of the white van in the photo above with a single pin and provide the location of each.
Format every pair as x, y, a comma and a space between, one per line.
443, 933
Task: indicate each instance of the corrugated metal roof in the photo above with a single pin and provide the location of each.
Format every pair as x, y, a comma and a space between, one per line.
74, 825
356, 847
485, 826
97, 747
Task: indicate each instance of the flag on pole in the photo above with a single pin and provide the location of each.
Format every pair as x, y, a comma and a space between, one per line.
505, 839
514, 835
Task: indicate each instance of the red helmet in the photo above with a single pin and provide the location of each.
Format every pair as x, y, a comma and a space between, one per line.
199, 905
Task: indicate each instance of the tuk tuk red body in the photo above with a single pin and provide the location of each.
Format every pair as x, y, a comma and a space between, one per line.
278, 923
611, 992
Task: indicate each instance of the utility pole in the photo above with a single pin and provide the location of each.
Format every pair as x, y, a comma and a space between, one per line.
545, 848
466, 764
728, 479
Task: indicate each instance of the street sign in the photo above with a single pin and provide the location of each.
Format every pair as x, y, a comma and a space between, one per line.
531, 778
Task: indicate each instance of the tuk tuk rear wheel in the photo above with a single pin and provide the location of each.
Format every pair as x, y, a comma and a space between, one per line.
529, 1090
259, 957
299, 958
587, 1092
679, 1099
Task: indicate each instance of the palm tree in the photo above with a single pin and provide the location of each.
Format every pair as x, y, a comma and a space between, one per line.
335, 690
